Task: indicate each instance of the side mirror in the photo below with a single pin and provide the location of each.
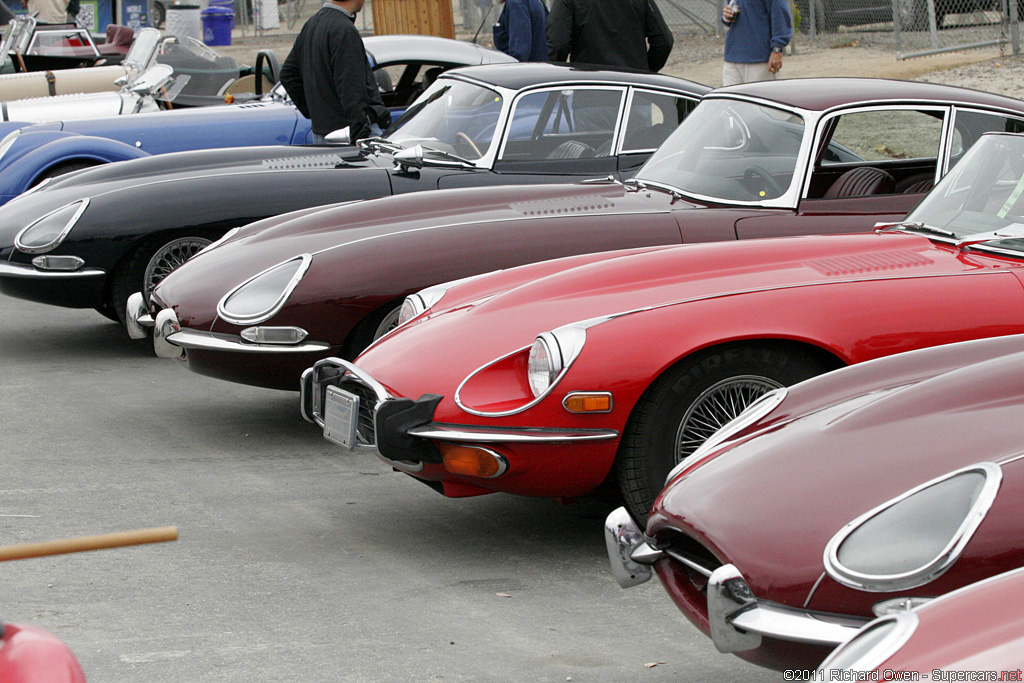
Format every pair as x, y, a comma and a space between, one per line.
342, 136
410, 157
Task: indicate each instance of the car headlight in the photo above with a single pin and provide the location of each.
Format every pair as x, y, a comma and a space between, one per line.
761, 406
551, 354
49, 231
420, 302
914, 538
872, 646
263, 295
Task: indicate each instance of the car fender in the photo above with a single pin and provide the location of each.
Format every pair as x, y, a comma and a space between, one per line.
38, 152
840, 323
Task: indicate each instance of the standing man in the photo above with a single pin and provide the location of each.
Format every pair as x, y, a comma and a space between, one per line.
519, 32
47, 11
329, 78
758, 32
630, 33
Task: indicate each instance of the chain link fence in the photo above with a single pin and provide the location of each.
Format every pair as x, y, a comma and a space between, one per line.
911, 28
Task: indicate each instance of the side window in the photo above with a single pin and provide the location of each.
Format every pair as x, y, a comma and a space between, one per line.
651, 118
563, 124
887, 135
968, 126
879, 152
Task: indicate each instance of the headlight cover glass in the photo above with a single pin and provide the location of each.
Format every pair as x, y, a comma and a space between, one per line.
48, 232
871, 647
914, 538
551, 354
263, 295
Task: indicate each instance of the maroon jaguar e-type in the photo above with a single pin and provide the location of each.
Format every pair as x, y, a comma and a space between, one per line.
547, 379
767, 159
977, 629
860, 493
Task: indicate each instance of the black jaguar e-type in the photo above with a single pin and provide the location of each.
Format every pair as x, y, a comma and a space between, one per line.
92, 238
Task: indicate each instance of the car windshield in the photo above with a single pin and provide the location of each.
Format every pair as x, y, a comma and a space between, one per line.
983, 193
729, 150
453, 117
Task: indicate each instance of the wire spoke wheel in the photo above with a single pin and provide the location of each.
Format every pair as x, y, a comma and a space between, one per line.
170, 256
389, 323
717, 405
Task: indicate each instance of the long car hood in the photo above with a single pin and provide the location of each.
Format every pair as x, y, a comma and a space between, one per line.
122, 191
325, 232
770, 505
525, 302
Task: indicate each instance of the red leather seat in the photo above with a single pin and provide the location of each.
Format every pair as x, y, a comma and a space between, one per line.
861, 182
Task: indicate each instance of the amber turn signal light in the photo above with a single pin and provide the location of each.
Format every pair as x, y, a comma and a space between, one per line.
471, 460
592, 402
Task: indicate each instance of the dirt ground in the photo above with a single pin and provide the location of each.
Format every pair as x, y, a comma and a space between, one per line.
698, 58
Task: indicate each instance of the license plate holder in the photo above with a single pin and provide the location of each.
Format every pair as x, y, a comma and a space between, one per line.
341, 417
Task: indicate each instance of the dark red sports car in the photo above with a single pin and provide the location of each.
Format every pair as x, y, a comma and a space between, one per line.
860, 493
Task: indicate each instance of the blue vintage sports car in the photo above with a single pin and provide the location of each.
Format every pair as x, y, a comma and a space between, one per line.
30, 154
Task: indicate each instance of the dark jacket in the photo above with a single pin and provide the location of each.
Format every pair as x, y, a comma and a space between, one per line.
609, 32
329, 78
520, 30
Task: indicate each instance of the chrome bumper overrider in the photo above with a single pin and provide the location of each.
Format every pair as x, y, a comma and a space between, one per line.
170, 341
738, 620
29, 272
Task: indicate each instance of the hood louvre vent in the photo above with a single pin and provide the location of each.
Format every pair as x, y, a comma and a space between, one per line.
869, 263
304, 163
563, 206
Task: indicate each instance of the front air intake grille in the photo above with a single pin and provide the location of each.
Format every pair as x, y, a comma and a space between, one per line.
367, 402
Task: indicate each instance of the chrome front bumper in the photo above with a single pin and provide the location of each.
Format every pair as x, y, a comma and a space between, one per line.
29, 272
331, 372
171, 341
738, 620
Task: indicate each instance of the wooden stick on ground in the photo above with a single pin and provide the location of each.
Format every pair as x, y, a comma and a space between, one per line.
82, 543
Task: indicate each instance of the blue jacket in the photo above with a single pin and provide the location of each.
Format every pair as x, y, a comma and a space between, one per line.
760, 26
520, 30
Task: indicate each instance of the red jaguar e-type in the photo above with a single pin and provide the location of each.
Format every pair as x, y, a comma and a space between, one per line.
546, 379
856, 494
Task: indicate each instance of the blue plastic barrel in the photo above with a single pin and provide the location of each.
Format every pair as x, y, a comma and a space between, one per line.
229, 4
217, 23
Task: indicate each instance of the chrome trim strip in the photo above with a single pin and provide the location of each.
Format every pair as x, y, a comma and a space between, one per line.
941, 562
29, 272
471, 434
738, 620
210, 341
166, 324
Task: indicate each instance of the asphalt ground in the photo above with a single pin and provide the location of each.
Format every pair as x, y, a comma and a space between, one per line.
295, 562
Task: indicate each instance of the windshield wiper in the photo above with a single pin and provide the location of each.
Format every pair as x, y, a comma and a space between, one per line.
916, 227
448, 155
1014, 231
635, 185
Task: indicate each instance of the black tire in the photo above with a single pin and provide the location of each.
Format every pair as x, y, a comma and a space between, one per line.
149, 264
63, 169
157, 14
682, 397
108, 312
371, 328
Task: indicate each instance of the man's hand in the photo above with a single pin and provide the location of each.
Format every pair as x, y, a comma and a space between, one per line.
775, 62
728, 13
